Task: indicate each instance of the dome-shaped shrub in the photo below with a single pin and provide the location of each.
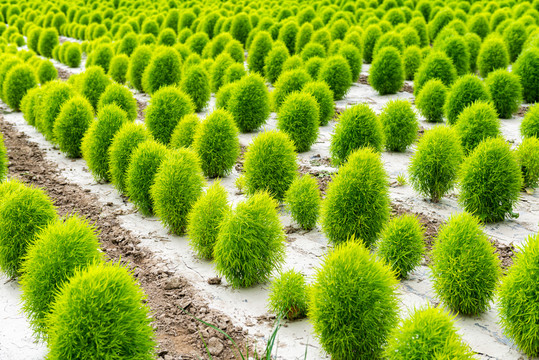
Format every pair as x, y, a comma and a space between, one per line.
101, 313
48, 40
167, 37
435, 66
102, 55
93, 84
274, 62
251, 242
337, 74
353, 320
216, 143
411, 59
527, 68
473, 42
517, 298
464, 289
293, 62
299, 118
167, 106
30, 103
431, 99
73, 56
234, 73
19, 80
312, 50
184, 132
303, 201
464, 92
353, 57
288, 34
324, 97
270, 164
288, 295
288, 82
119, 95
399, 124
197, 42
490, 181
125, 141
55, 95
505, 92
428, 333
388, 39
530, 124
97, 139
478, 121
59, 250
492, 55
195, 83
249, 103
514, 36
370, 37
46, 72
71, 124
528, 158
258, 52
204, 219
357, 127
3, 159
164, 69
433, 167
223, 96
24, 212
218, 69
139, 62
177, 186
119, 65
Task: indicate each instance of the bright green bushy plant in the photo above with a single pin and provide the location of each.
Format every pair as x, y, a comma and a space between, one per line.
298, 117
167, 106
433, 167
431, 99
288, 295
357, 201
121, 96
357, 127
93, 84
455, 47
270, 164
324, 97
303, 201
137, 65
54, 96
249, 103
337, 74
234, 73
177, 186
74, 119
59, 250
184, 132
18, 81
386, 74
3, 159
528, 158
274, 62
24, 212
411, 58
490, 181
218, 70
288, 82
436, 65
124, 142
529, 127
217, 144
100, 313
30, 102
399, 124
73, 56
492, 55
353, 57
475, 123
223, 96
251, 242
370, 37
46, 72
119, 66
101, 56
195, 83
464, 92
464, 289
258, 52
48, 40
505, 92
353, 320
527, 68
164, 69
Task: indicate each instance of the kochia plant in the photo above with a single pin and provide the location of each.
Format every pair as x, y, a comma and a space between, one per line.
431, 99
529, 127
195, 83
298, 117
386, 74
71, 124
93, 84
337, 74
505, 92
164, 69
288, 295
19, 80
324, 97
464, 92
184, 132
528, 159
121, 96
288, 82
400, 125
303, 201
527, 68
249, 103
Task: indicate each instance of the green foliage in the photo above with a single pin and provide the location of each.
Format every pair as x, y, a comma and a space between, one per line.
464, 289
59, 250
298, 117
195, 83
303, 201
528, 158
530, 124
218, 70
101, 313
386, 74
411, 59
353, 320
97, 139
184, 132
119, 95
465, 91
490, 181
46, 72
124, 142
357, 127
270, 164
527, 68
18, 81
428, 333
167, 37
48, 40
223, 96
353, 57
473, 42
259, 50
288, 295
119, 66
249, 103
164, 69
139, 62
251, 242
101, 56
370, 37
74, 119
24, 211
478, 121
93, 84
456, 49
492, 55
514, 37
436, 65
234, 73
288, 82
177, 186
142, 167
73, 56
505, 92
204, 219
433, 167
167, 106
324, 97
517, 298
431, 99
55, 95
399, 124
3, 159
288, 34
274, 62
337, 74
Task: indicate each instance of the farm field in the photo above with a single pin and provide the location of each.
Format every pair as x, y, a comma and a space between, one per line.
151, 234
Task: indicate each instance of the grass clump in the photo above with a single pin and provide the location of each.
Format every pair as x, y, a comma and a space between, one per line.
299, 117
399, 124
74, 119
164, 69
464, 289
353, 320
527, 68
288, 295
433, 167
386, 74
324, 97
436, 65
250, 244
492, 55
357, 201
119, 65
303, 201
505, 92
528, 158
431, 99
288, 82
46, 72
184, 132
475, 123
195, 83
464, 92
490, 181
337, 74
121, 96
19, 79
48, 40
529, 127
54, 96
93, 84
249, 102
137, 65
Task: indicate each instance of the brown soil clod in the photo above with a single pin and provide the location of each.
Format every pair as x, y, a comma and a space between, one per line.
363, 79
239, 162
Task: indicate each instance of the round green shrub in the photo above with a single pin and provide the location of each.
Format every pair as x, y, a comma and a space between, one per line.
456, 49
167, 37
164, 69
337, 74
527, 68
274, 62
46, 72
24, 212
59, 250
357, 127
505, 92
478, 121
251, 242
492, 55
353, 57
303, 201
435, 163
370, 37
8, 64
139, 62
249, 103
204, 219
48, 40
353, 320
195, 83
490, 181
74, 119
514, 37
3, 159
124, 142
218, 70
469, 289
270, 164
197, 42
178, 184
324, 97
411, 59
529, 127
217, 144
93, 84
528, 158
98, 137
119, 65
431, 99
19, 80
73, 56
30, 103
517, 298
298, 117
479, 24
105, 301
313, 66
399, 124
288, 34
167, 106
102, 55
234, 73
55, 95
288, 295
428, 333
386, 74
128, 44
258, 52
473, 42
293, 62
288, 82
223, 96
121, 96
184, 132
465, 91
388, 39
436, 65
